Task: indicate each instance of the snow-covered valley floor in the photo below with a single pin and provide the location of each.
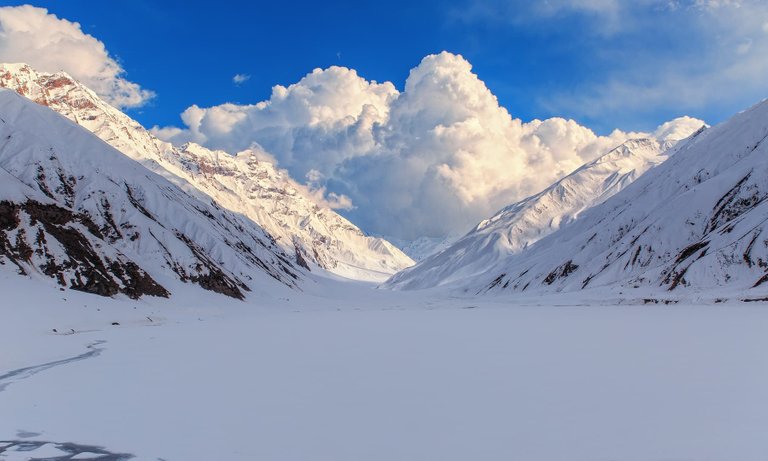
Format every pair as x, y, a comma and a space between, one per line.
372, 375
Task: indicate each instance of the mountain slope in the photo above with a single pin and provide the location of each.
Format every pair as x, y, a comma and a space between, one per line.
521, 224
311, 233
271, 198
423, 247
698, 221
74, 209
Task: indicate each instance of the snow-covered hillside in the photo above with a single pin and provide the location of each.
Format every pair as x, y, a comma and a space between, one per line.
698, 220
311, 233
424, 247
521, 224
76, 210
270, 197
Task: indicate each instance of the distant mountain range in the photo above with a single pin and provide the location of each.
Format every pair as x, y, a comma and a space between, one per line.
91, 200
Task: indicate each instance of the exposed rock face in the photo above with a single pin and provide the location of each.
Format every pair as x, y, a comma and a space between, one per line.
64, 246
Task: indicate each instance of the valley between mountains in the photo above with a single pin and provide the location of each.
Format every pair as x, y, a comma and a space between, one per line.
173, 302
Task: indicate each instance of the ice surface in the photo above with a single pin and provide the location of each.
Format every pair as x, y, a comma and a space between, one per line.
21, 452
378, 375
87, 455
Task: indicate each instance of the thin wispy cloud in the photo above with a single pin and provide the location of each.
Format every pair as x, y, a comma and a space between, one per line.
240, 78
651, 56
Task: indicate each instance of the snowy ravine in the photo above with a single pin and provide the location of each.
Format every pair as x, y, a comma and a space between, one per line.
521, 224
697, 221
78, 212
423, 247
311, 233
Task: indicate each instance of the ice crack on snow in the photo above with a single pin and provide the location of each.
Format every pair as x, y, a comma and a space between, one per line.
17, 375
39, 450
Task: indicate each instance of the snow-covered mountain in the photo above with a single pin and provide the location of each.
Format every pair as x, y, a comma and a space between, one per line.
312, 234
699, 220
75, 210
521, 224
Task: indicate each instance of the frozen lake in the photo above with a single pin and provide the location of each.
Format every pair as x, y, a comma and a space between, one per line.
386, 380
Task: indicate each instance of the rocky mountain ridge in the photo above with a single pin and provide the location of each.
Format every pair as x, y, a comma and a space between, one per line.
314, 235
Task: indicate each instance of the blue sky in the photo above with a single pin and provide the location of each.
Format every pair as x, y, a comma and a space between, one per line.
402, 138
188, 51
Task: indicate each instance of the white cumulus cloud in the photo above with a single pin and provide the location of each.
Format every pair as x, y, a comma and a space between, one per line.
313, 124
48, 43
677, 129
431, 160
